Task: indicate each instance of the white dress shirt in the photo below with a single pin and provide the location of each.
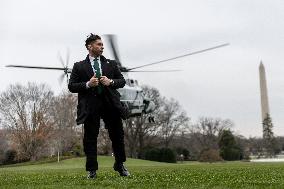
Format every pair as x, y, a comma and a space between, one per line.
92, 65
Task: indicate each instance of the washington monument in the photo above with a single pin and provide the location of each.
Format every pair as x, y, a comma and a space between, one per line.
263, 92
266, 120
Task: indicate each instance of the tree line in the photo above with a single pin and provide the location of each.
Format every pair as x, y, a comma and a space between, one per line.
35, 123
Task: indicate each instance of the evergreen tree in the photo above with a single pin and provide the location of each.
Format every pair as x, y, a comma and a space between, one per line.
229, 150
268, 136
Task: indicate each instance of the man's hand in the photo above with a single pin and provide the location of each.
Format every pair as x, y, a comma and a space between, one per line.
93, 81
105, 81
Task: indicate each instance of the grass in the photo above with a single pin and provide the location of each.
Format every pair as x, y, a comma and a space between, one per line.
41, 161
145, 174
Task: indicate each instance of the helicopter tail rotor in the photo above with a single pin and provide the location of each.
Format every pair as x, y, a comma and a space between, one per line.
61, 78
65, 67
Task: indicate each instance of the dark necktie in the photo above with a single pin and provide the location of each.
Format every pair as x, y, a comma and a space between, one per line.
98, 74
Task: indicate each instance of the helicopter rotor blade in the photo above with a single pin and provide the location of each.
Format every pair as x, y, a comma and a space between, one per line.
63, 68
60, 59
67, 57
35, 67
61, 78
181, 56
155, 71
112, 41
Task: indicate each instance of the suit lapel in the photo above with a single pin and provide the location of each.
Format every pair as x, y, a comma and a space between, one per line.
88, 67
89, 70
104, 66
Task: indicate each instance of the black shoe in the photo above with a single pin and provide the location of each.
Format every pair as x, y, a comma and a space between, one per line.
120, 167
92, 175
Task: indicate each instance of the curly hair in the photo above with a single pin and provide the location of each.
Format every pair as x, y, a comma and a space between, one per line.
91, 38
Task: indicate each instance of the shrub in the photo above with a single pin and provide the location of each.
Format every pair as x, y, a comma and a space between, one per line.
210, 155
69, 153
78, 151
10, 156
1, 156
152, 154
167, 155
229, 150
230, 154
184, 152
162, 155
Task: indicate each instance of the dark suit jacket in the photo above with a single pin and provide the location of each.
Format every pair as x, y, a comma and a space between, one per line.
82, 73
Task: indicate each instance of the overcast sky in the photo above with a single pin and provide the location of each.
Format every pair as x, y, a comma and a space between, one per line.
221, 83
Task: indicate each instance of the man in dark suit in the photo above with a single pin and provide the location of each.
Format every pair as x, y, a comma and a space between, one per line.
96, 79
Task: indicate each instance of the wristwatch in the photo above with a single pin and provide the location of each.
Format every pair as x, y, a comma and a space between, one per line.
111, 82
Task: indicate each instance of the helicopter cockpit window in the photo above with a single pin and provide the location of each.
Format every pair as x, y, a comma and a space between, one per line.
132, 82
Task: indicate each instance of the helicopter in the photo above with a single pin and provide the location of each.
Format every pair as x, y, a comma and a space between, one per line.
132, 93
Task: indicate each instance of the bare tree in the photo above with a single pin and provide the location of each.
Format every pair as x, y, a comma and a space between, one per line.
63, 113
206, 131
104, 142
172, 120
3, 144
131, 137
139, 132
24, 112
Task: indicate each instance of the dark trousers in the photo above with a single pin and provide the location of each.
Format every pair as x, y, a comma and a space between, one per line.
113, 124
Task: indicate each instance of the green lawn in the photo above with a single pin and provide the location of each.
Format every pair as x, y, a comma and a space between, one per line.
145, 174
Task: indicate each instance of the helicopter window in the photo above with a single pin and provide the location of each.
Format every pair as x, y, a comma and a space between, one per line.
127, 81
131, 95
